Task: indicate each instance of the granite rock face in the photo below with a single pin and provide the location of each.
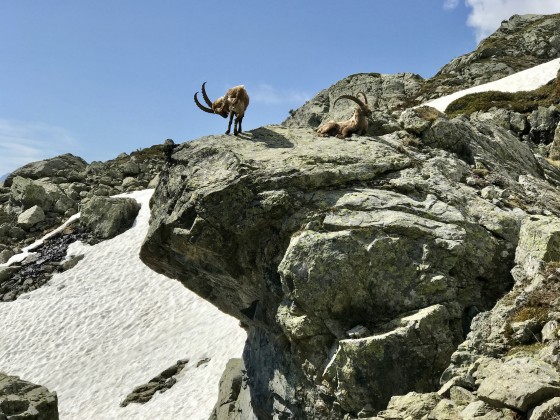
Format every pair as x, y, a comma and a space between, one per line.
345, 259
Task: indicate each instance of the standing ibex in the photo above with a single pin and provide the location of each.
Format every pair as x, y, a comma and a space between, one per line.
234, 102
358, 123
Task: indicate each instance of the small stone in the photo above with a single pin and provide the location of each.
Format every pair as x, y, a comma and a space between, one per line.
550, 331
359, 331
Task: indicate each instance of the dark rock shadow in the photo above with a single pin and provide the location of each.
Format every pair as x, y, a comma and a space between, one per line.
267, 136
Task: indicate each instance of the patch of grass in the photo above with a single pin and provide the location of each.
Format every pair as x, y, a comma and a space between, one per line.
539, 313
526, 349
428, 113
542, 300
153, 152
522, 102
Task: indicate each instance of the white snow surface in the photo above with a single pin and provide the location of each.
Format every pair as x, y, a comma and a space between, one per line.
529, 79
95, 332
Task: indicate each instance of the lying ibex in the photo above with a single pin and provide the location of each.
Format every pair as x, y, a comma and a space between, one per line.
358, 123
234, 102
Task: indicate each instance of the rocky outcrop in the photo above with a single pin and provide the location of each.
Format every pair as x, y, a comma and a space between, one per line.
59, 186
37, 269
68, 168
161, 383
20, 399
355, 265
234, 399
521, 42
385, 92
508, 367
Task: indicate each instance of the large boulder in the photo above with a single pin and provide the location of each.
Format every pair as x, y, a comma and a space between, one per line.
342, 258
106, 217
68, 167
383, 92
20, 399
26, 193
501, 385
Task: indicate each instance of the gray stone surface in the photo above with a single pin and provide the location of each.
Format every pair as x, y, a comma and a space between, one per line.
20, 399
68, 166
106, 217
31, 217
549, 410
519, 383
304, 239
234, 399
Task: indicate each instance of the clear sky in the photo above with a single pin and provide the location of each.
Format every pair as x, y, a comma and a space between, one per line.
96, 78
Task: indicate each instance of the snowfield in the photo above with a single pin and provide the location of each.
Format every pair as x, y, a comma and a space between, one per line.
529, 79
109, 324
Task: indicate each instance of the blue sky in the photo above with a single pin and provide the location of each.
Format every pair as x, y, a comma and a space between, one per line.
97, 78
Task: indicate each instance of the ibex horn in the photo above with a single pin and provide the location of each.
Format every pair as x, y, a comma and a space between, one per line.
198, 104
352, 98
365, 97
205, 96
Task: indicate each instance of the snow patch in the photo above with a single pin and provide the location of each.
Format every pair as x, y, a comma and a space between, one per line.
95, 332
525, 80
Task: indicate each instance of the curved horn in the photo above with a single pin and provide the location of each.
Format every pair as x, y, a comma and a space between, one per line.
352, 98
365, 97
205, 96
198, 104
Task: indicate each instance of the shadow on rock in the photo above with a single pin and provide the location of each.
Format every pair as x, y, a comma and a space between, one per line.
269, 137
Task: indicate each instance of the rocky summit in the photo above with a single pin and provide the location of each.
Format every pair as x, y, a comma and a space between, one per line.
409, 273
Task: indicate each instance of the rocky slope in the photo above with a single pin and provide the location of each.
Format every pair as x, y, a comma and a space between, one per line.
520, 43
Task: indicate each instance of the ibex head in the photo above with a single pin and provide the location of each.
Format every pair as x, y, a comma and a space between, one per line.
363, 105
216, 107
